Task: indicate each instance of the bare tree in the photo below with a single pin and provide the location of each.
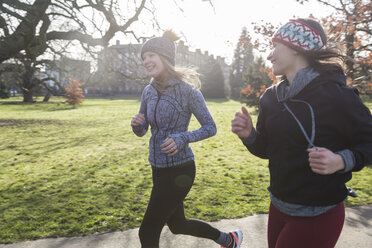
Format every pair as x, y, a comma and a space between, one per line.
30, 29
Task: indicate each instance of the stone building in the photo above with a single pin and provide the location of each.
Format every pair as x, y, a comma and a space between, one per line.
120, 69
65, 69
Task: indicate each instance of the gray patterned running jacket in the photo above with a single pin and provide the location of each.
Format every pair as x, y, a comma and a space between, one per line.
169, 115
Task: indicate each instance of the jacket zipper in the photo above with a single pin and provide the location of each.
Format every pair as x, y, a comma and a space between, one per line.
157, 127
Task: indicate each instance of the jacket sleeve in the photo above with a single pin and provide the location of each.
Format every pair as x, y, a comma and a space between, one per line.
208, 128
256, 143
355, 122
141, 130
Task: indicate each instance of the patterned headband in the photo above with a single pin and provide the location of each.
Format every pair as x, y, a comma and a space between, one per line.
299, 35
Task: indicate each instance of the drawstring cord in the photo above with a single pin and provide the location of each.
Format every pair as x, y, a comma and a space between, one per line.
351, 192
309, 140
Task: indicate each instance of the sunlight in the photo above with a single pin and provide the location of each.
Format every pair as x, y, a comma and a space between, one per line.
217, 30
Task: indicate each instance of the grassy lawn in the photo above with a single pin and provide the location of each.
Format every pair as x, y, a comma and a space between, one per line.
68, 171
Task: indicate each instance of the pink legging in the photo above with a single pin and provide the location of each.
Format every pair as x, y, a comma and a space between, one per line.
321, 231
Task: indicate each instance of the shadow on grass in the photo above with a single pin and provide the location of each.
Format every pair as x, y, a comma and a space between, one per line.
48, 148
40, 107
22, 122
78, 204
48, 107
60, 108
47, 122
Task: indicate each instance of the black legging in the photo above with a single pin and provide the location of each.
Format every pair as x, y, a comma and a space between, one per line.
170, 187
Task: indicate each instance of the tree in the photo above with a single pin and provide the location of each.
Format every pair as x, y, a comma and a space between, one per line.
30, 34
256, 79
74, 93
349, 30
30, 29
212, 85
243, 56
350, 27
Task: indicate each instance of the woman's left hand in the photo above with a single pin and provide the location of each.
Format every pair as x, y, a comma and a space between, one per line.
169, 146
324, 162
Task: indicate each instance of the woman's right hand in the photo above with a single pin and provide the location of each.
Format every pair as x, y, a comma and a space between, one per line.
242, 125
138, 119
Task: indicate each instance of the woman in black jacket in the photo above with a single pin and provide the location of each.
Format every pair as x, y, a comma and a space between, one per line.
315, 131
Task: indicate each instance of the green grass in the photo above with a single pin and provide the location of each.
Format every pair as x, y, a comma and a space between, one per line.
68, 171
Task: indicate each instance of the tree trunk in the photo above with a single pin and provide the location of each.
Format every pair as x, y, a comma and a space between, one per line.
350, 55
27, 87
47, 97
27, 96
27, 84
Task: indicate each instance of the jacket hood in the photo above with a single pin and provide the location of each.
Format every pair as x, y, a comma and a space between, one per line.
329, 78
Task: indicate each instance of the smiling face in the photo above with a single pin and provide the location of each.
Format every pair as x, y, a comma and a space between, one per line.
283, 59
153, 64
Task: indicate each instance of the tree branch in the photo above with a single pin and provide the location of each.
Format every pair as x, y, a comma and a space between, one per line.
25, 32
75, 35
368, 31
134, 17
4, 26
17, 4
14, 14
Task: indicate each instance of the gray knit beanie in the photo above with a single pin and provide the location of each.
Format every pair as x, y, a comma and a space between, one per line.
162, 45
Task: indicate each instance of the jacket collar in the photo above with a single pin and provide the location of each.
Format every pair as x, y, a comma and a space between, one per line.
285, 91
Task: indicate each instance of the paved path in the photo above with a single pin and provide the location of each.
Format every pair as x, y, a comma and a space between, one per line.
357, 232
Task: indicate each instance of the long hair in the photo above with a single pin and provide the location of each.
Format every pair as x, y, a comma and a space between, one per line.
326, 60
186, 74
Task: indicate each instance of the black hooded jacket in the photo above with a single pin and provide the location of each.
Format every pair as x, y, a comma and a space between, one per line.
342, 121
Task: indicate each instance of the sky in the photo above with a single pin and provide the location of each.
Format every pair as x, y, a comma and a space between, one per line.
217, 29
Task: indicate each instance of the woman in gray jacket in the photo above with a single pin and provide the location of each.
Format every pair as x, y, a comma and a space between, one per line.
167, 104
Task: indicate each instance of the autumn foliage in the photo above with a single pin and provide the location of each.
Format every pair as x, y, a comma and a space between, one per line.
349, 32
257, 79
74, 93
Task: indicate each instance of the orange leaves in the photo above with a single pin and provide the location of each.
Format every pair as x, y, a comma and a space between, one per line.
257, 79
349, 29
269, 72
262, 90
74, 93
266, 31
247, 91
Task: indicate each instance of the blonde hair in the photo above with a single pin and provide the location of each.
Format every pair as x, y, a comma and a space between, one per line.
186, 74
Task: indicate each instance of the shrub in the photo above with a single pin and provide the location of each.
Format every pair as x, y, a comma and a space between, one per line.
74, 93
